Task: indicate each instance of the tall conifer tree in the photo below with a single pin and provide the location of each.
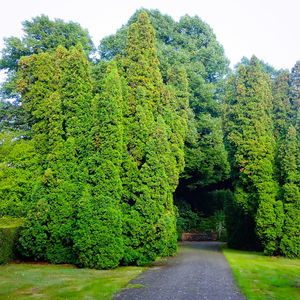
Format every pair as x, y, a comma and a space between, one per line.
98, 238
290, 243
99, 235
148, 208
250, 141
56, 92
174, 109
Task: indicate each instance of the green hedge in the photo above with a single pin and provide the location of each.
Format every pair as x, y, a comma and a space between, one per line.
9, 234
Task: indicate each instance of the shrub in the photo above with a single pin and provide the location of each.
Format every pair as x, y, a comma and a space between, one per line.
9, 234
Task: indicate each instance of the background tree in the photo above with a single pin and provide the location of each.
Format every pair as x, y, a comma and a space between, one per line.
265, 67
40, 34
295, 92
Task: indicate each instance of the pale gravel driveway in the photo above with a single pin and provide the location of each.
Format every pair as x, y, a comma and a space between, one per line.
198, 271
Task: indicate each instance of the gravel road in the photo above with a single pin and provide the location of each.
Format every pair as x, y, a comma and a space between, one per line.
198, 271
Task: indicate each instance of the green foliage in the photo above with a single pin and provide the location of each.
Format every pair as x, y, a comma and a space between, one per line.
95, 152
187, 220
190, 220
40, 35
295, 99
98, 238
108, 167
18, 168
149, 168
265, 67
290, 242
250, 142
9, 233
285, 116
56, 91
189, 44
205, 154
240, 226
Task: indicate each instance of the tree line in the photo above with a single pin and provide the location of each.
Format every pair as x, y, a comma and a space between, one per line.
93, 149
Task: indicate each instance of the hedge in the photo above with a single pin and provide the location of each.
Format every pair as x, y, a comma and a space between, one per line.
9, 234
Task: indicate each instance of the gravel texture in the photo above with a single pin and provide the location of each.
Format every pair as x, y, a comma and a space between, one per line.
198, 271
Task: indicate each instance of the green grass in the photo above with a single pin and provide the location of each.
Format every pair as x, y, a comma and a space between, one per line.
32, 281
261, 277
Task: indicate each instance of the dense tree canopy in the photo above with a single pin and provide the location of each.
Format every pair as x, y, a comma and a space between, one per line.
95, 151
262, 148
189, 43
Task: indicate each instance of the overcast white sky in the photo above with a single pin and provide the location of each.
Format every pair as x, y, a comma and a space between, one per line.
267, 28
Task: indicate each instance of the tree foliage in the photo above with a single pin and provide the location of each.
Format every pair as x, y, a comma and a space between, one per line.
149, 221
251, 146
56, 91
191, 44
97, 148
18, 169
40, 35
290, 242
98, 238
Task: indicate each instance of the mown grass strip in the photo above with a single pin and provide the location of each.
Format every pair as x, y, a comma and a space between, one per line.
265, 278
31, 281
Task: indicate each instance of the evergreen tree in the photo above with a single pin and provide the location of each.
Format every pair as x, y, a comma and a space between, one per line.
282, 109
149, 219
295, 97
282, 118
290, 242
56, 92
98, 238
174, 109
18, 169
248, 127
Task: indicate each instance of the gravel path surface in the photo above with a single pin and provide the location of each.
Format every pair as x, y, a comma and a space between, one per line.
198, 271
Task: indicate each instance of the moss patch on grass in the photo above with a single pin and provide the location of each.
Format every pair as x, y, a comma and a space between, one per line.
261, 277
30, 281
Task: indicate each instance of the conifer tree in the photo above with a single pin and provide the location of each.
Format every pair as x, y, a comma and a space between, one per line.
98, 237
149, 219
18, 169
56, 91
250, 143
290, 242
282, 117
174, 109
295, 97
281, 104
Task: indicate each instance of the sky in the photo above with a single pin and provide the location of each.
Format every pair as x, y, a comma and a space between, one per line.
267, 28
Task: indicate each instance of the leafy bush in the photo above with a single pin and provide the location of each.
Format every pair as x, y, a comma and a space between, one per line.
17, 173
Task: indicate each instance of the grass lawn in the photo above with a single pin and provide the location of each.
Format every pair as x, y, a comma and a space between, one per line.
31, 281
261, 277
